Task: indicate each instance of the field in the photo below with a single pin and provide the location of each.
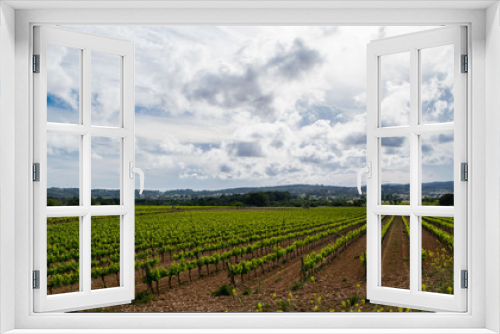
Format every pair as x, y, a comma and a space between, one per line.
221, 259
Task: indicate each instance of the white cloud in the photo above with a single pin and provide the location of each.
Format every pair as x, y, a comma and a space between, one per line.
227, 106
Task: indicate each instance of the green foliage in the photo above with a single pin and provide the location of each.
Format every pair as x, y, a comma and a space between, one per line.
440, 234
142, 298
192, 239
223, 290
446, 200
312, 260
298, 284
386, 227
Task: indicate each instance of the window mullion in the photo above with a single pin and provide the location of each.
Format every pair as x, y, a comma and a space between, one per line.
414, 168
85, 237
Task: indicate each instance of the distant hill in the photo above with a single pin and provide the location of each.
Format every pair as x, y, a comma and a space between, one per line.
320, 191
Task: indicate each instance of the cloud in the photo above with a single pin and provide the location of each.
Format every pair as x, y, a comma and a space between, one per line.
292, 63
172, 145
63, 77
218, 107
246, 149
225, 169
393, 141
357, 138
426, 149
230, 91
446, 138
438, 161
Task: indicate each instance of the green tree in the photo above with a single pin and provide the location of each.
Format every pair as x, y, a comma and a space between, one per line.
446, 200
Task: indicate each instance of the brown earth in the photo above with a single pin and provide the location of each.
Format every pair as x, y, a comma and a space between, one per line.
258, 288
338, 285
396, 256
437, 267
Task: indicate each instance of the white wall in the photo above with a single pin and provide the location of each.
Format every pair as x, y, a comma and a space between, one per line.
492, 165
7, 159
478, 125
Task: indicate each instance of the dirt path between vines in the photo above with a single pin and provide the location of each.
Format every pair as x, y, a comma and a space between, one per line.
196, 296
336, 285
395, 256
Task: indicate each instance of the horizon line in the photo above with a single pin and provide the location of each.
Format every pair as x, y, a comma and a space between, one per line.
256, 187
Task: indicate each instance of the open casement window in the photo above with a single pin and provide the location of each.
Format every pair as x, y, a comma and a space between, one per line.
84, 127
416, 100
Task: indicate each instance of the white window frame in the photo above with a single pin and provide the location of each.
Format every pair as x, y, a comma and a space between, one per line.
484, 50
86, 44
412, 44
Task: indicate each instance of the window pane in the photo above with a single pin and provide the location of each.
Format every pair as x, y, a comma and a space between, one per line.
395, 89
63, 255
63, 84
106, 170
395, 170
63, 170
437, 169
437, 84
106, 89
437, 254
395, 258
105, 252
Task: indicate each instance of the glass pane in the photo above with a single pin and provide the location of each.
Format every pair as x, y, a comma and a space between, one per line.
106, 89
105, 250
395, 89
395, 259
63, 84
395, 170
106, 170
437, 169
63, 169
437, 254
63, 255
437, 84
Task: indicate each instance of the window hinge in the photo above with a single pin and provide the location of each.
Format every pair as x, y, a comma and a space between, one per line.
36, 172
36, 279
36, 63
464, 171
465, 64
465, 279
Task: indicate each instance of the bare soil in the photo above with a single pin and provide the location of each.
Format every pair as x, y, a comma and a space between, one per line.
396, 256
333, 282
437, 267
339, 285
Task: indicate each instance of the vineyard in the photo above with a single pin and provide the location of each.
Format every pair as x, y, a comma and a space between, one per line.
216, 259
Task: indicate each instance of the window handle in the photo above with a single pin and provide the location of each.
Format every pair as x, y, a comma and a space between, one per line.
134, 170
365, 170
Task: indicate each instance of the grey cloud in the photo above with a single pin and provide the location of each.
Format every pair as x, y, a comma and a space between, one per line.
272, 170
205, 147
277, 143
296, 61
246, 149
316, 159
393, 141
446, 138
390, 150
427, 148
354, 161
230, 91
430, 111
310, 113
357, 138
225, 169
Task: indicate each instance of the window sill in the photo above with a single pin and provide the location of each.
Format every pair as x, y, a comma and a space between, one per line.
252, 331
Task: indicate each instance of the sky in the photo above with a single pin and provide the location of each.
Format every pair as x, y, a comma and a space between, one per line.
223, 107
